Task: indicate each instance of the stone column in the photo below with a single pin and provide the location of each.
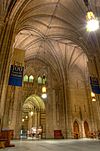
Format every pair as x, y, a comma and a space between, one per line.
93, 66
5, 57
1, 23
8, 107
15, 112
54, 109
69, 113
49, 115
30, 124
49, 106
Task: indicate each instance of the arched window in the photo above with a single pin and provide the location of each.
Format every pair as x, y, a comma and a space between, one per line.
39, 80
25, 78
44, 79
31, 78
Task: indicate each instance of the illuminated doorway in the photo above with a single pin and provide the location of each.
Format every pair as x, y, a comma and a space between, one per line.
34, 117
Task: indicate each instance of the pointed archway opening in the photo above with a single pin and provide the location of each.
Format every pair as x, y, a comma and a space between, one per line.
86, 128
33, 117
76, 129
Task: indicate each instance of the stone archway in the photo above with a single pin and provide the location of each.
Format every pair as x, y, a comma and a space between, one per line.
33, 115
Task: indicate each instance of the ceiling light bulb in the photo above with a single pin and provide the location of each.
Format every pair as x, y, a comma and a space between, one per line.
92, 25
44, 95
92, 22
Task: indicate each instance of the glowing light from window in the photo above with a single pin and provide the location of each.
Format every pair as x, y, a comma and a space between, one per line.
31, 78
26, 78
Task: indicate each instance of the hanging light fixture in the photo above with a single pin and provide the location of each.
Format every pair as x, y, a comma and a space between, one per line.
92, 21
86, 3
44, 95
44, 89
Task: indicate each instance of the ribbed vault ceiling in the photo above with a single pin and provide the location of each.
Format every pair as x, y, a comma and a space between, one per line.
46, 28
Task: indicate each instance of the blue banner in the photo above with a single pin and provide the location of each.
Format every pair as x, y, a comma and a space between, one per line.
95, 85
16, 75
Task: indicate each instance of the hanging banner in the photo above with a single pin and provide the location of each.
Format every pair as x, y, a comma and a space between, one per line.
17, 68
95, 85
16, 75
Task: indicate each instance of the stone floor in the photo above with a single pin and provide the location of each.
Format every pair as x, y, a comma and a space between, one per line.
55, 145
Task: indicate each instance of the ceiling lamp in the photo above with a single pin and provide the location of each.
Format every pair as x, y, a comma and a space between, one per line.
86, 3
44, 95
44, 89
92, 22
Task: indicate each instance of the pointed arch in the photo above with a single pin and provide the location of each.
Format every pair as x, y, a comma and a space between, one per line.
39, 80
31, 78
25, 78
76, 129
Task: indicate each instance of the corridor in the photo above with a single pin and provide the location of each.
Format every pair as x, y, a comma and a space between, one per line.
55, 145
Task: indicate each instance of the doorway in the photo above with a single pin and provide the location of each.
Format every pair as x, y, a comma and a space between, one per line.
76, 129
86, 129
34, 117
